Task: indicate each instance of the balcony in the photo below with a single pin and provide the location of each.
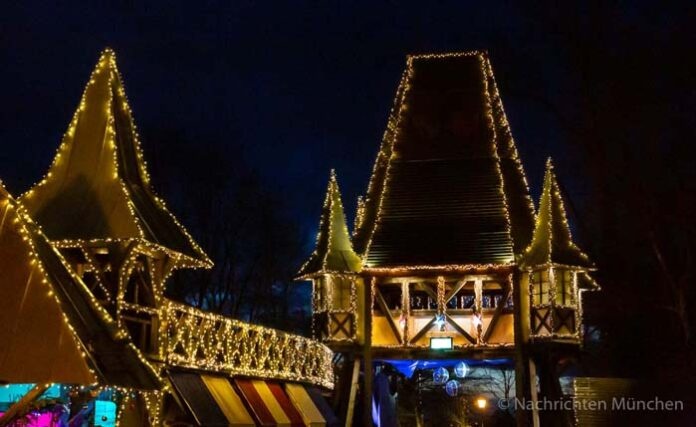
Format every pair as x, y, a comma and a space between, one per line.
205, 341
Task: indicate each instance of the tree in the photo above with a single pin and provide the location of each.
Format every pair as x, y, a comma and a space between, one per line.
239, 221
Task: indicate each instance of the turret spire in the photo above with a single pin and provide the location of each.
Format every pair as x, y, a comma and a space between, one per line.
334, 251
552, 242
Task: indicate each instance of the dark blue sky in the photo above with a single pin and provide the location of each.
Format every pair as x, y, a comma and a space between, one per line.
302, 87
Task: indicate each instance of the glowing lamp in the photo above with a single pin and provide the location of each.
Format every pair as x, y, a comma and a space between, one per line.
441, 343
460, 370
440, 376
476, 319
452, 388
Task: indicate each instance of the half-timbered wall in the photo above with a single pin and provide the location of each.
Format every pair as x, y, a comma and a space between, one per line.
555, 303
475, 310
337, 304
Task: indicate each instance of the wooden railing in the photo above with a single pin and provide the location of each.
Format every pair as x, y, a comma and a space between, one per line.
210, 342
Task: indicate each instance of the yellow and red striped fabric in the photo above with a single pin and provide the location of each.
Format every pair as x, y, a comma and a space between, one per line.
228, 400
224, 402
311, 415
269, 403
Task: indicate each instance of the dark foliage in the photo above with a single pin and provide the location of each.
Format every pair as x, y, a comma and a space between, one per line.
240, 221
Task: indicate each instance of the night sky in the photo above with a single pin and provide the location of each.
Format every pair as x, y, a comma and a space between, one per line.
294, 88
291, 89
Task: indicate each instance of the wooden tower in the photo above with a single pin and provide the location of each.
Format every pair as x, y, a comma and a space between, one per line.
554, 273
338, 296
446, 235
96, 205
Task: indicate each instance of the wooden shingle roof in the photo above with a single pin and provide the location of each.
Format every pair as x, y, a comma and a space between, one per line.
447, 188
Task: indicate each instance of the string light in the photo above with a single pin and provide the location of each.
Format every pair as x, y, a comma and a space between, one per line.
207, 341
446, 268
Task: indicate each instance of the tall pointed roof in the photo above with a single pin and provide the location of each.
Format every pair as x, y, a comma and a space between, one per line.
334, 251
52, 328
98, 186
447, 188
552, 242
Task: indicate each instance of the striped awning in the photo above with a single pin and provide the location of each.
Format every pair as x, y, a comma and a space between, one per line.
212, 401
313, 407
220, 401
228, 400
270, 405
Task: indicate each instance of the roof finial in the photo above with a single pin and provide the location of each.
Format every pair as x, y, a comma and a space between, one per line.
549, 163
107, 52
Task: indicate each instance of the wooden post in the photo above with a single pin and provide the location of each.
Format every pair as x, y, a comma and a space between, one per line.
550, 387
367, 389
367, 356
525, 371
353, 391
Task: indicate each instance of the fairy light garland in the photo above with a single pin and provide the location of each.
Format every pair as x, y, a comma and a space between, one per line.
446, 268
211, 342
497, 105
441, 303
405, 310
484, 67
382, 159
390, 136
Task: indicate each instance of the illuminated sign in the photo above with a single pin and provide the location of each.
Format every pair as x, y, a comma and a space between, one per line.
441, 343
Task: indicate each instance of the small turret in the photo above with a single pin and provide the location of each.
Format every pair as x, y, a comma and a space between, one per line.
333, 269
557, 268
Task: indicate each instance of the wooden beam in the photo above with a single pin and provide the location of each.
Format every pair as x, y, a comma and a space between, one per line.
340, 324
387, 312
428, 290
498, 311
456, 289
422, 332
22, 404
459, 329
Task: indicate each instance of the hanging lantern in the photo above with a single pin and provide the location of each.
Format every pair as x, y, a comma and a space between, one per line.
440, 321
440, 376
402, 321
460, 370
453, 388
476, 319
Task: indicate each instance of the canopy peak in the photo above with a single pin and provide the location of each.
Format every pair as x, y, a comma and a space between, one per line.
98, 187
